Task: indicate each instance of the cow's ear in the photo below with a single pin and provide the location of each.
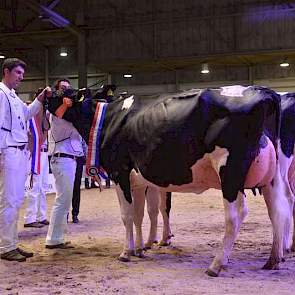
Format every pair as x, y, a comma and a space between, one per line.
110, 92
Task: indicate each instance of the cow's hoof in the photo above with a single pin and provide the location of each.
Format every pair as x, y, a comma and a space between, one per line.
132, 253
139, 253
271, 265
148, 245
124, 258
287, 251
165, 243
211, 273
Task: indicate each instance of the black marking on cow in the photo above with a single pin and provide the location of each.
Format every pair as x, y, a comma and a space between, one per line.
287, 134
168, 203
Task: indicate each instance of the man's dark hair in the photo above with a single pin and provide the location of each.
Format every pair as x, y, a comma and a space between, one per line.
11, 63
56, 85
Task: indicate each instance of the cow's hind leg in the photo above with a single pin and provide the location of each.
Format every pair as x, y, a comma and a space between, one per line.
152, 201
127, 211
279, 213
165, 206
235, 213
287, 177
139, 202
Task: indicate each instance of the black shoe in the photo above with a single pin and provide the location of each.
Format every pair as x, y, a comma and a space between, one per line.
108, 183
34, 224
75, 219
13, 255
66, 245
87, 183
45, 222
25, 253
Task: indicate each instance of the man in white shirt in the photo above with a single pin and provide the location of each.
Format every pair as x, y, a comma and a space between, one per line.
64, 146
35, 213
13, 138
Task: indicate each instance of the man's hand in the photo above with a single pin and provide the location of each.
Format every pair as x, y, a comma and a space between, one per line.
46, 92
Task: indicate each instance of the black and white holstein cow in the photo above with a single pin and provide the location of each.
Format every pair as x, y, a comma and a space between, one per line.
287, 159
215, 138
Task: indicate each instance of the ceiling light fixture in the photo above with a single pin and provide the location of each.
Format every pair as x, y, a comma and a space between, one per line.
63, 52
205, 68
2, 56
284, 63
127, 76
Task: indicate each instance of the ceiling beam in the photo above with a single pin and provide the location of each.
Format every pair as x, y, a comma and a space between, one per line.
55, 18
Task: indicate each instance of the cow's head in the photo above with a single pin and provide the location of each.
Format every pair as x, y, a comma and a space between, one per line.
82, 112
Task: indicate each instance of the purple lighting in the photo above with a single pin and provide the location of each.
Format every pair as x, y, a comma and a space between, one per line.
277, 12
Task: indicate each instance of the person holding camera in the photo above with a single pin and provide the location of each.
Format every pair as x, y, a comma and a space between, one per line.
65, 147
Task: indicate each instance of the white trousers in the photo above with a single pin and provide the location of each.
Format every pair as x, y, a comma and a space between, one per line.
36, 197
63, 170
12, 189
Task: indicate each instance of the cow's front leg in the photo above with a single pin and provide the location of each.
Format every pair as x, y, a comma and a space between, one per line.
152, 201
165, 206
139, 201
235, 213
127, 212
279, 213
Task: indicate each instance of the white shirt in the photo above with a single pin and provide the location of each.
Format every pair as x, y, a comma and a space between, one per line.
64, 138
13, 117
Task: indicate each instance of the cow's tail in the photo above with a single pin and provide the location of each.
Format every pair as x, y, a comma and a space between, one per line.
278, 126
272, 118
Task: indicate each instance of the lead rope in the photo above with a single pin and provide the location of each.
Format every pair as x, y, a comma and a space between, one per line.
45, 119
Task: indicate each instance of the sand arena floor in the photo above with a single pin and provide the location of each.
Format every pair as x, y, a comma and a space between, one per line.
197, 223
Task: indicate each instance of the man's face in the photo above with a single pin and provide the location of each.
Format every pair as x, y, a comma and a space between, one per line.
13, 78
63, 85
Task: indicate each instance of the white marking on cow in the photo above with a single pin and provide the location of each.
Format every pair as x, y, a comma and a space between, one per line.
128, 102
235, 90
235, 213
287, 173
219, 158
278, 210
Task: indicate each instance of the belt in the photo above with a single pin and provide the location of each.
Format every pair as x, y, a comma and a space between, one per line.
62, 155
44, 150
19, 147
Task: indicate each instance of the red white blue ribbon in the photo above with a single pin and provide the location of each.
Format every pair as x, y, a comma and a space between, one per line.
93, 167
36, 153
